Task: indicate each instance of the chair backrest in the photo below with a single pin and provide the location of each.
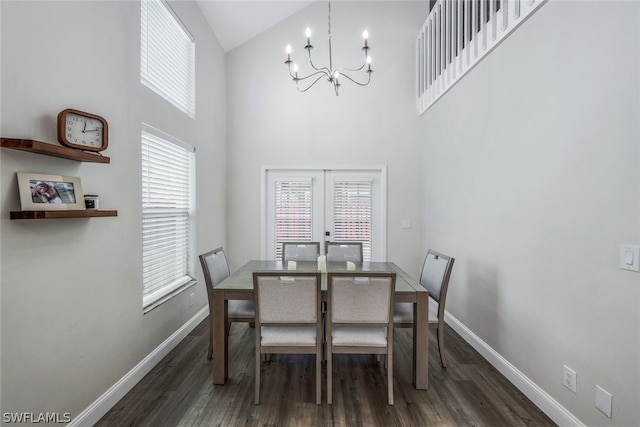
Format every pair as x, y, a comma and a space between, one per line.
361, 298
343, 251
436, 271
215, 267
300, 251
287, 297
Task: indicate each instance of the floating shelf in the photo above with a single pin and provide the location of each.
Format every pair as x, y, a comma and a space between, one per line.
89, 213
38, 147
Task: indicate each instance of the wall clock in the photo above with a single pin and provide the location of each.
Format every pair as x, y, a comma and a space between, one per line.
82, 130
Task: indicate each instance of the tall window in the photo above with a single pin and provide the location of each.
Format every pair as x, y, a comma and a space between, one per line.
168, 258
167, 55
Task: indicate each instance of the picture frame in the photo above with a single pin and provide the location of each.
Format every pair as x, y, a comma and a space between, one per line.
40, 192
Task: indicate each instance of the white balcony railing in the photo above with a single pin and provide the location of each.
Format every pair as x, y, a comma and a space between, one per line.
451, 42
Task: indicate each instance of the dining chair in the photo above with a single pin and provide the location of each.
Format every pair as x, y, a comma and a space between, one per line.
343, 251
300, 251
288, 318
360, 319
434, 277
216, 269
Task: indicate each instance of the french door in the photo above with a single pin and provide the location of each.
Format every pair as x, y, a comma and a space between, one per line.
318, 205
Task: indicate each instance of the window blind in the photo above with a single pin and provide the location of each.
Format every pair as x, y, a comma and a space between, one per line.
352, 214
293, 212
167, 215
167, 55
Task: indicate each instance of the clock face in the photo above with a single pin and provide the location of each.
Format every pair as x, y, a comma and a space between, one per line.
81, 130
84, 130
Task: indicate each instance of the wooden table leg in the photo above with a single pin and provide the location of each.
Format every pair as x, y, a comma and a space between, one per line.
220, 338
421, 341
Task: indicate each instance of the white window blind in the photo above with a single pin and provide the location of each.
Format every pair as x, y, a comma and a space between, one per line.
167, 55
293, 212
352, 214
167, 215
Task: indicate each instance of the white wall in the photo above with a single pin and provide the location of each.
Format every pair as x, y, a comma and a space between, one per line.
270, 123
72, 320
531, 179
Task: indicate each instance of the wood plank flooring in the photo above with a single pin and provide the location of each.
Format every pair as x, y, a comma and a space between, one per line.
179, 391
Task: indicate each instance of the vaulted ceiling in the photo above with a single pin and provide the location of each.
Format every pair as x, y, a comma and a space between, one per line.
236, 21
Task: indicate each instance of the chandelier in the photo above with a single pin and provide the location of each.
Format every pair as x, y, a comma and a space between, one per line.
333, 75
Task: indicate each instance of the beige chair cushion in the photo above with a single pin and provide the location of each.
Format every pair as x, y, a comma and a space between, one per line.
300, 251
433, 271
300, 294
344, 252
359, 336
403, 313
360, 299
218, 267
288, 336
241, 308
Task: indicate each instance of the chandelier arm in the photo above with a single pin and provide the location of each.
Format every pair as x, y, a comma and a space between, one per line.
325, 69
364, 64
308, 87
322, 72
352, 69
356, 82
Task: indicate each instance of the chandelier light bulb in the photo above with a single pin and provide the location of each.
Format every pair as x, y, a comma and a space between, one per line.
336, 75
368, 60
288, 49
307, 32
295, 68
365, 34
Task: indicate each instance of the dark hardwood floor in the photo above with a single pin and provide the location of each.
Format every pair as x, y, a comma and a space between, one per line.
180, 391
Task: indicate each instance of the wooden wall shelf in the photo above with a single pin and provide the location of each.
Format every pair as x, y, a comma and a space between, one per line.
38, 147
89, 213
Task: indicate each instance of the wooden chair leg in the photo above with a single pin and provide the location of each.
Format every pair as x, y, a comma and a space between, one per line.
441, 345
318, 379
389, 360
329, 378
210, 353
258, 369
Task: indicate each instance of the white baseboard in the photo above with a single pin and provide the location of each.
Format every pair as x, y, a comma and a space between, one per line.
97, 409
538, 396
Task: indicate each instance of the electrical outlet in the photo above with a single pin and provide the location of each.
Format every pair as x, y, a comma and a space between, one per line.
603, 400
570, 379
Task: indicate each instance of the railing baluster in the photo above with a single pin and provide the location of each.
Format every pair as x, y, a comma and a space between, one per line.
493, 18
504, 6
460, 34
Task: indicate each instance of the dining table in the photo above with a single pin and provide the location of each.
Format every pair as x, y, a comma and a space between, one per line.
239, 286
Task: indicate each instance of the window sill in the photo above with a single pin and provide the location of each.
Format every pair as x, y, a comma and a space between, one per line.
166, 297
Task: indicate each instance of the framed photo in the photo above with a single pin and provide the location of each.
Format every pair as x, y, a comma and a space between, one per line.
40, 192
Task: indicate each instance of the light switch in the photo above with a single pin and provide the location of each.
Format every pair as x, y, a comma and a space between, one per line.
630, 257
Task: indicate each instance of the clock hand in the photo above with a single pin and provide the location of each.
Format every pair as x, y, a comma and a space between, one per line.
84, 129
90, 130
